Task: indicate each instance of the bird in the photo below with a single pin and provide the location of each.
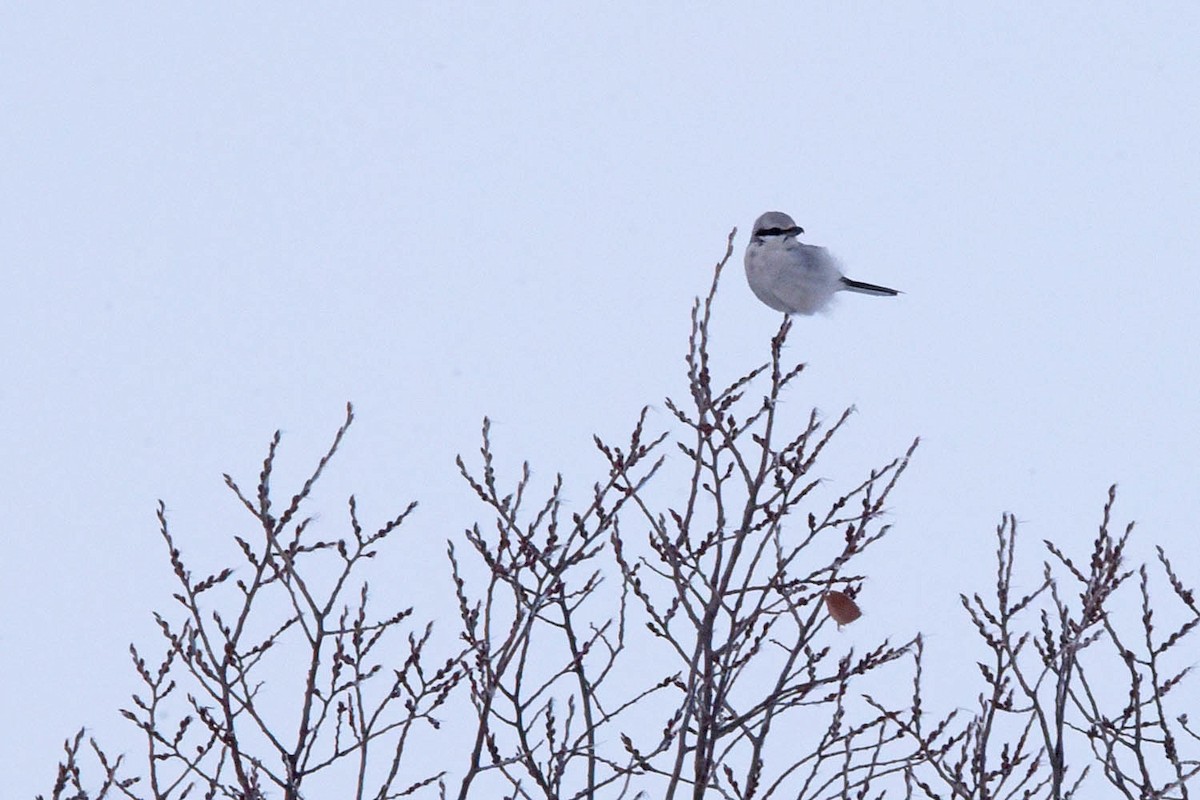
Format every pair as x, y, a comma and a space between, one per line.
793, 277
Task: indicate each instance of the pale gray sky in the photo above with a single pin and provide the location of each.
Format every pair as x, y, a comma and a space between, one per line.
217, 220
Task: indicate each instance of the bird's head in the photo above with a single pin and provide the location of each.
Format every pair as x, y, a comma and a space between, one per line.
776, 223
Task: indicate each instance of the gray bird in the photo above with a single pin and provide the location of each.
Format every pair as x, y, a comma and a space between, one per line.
792, 277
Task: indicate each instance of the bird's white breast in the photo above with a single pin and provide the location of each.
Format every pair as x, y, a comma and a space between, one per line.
791, 277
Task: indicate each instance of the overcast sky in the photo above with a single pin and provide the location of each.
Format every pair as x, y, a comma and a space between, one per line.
219, 221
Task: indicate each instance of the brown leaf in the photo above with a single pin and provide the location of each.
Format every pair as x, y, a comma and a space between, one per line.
842, 608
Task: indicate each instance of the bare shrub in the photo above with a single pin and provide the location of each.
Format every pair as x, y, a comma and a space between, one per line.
1070, 690
674, 637
285, 672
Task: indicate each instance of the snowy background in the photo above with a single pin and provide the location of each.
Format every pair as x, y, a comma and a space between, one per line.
216, 221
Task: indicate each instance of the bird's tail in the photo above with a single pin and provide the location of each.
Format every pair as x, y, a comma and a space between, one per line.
868, 288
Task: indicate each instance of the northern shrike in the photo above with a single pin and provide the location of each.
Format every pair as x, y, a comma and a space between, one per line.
792, 277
